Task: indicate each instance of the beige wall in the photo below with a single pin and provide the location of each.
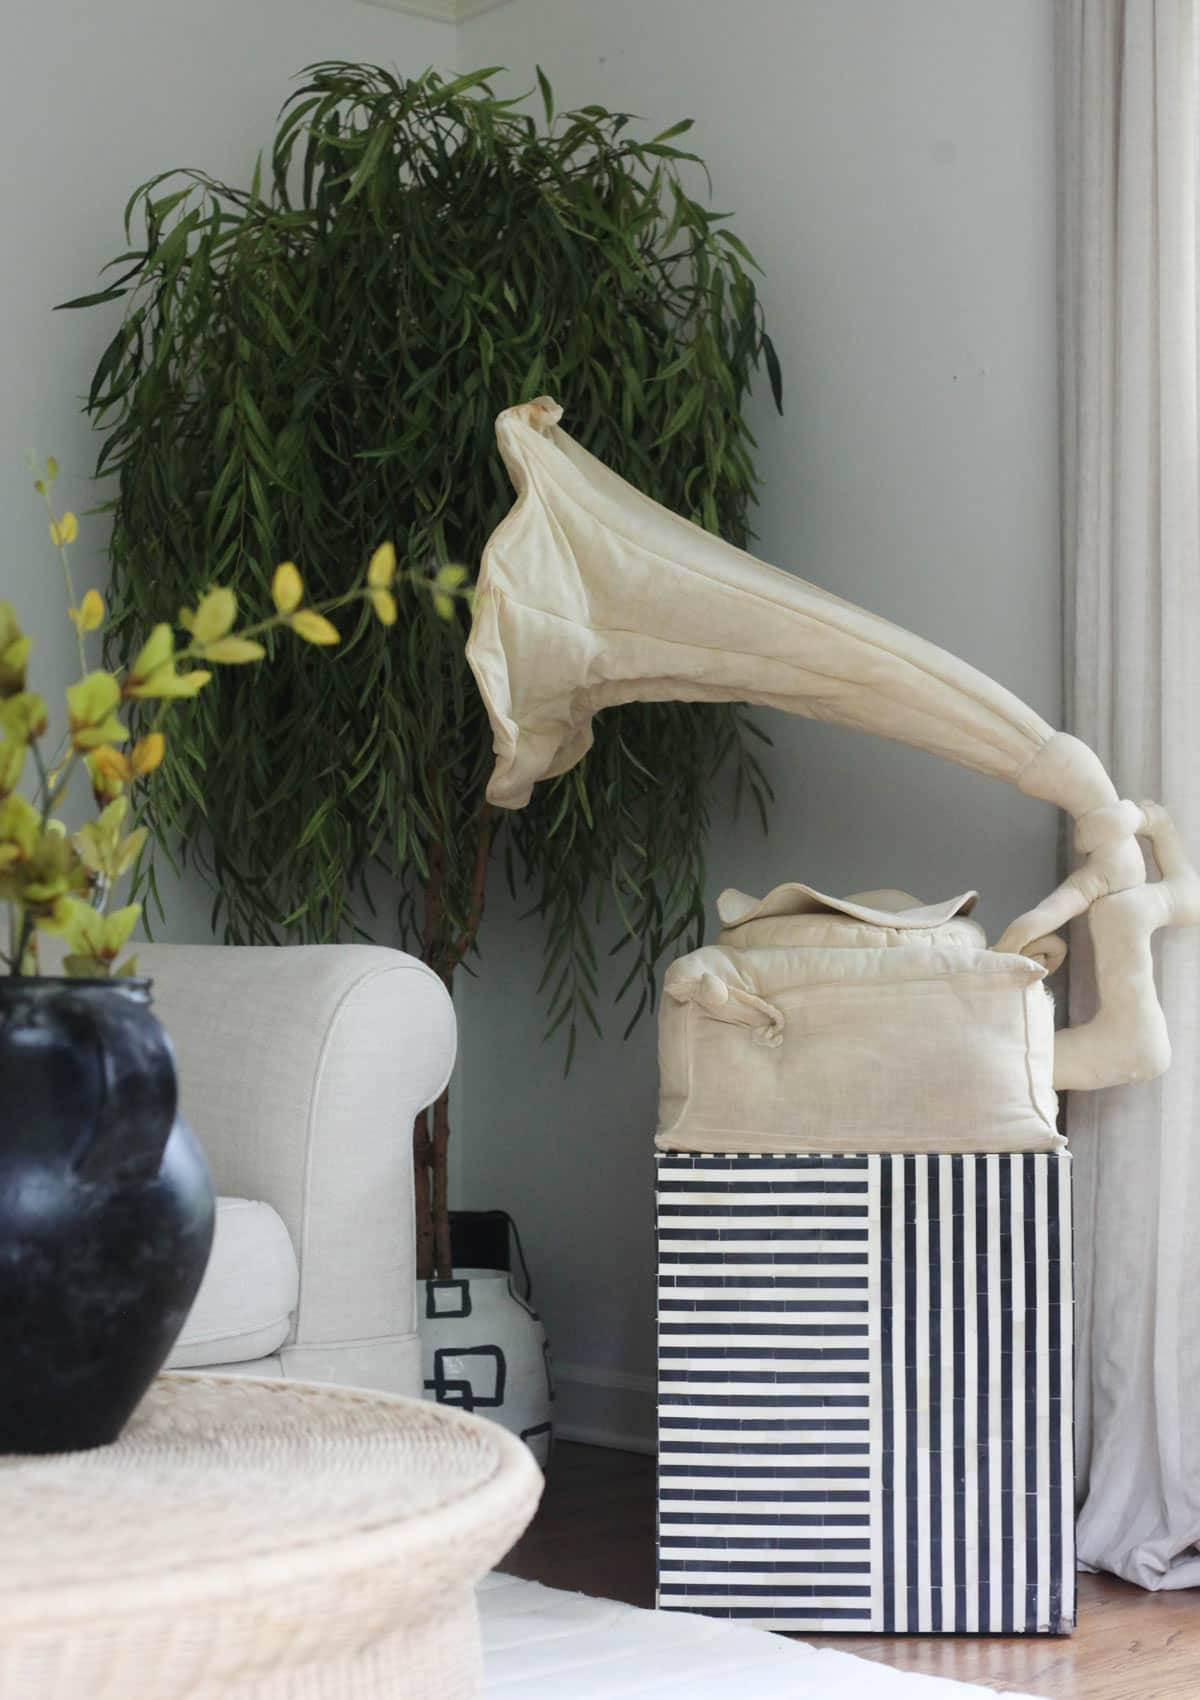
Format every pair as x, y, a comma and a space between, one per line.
95, 97
892, 167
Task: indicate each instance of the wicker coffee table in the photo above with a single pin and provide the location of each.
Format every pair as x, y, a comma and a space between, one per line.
258, 1540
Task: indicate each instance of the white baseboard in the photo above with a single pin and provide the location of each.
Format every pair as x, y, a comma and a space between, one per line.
604, 1407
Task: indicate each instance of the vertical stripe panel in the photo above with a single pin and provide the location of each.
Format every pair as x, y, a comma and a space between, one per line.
887, 1441
1016, 1585
970, 1404
900, 1309
916, 1280
991, 1430
1066, 1412
1027, 1608
951, 1391
876, 1313
932, 1358
1042, 1606
1004, 1438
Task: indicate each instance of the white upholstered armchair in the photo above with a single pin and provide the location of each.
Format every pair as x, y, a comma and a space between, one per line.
301, 1070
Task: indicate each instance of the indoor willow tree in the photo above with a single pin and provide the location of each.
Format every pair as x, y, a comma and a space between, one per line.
314, 362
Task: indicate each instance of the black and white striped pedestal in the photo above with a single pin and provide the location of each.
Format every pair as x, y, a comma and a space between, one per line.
865, 1402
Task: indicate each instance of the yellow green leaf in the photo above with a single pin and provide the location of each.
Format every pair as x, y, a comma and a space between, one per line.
20, 825
98, 844
79, 924
14, 652
381, 569
51, 470
89, 616
24, 716
171, 684
108, 770
287, 587
449, 578
90, 716
129, 850
153, 673
89, 934
384, 604
147, 754
443, 605
232, 651
12, 763
214, 617
314, 628
157, 650
56, 918
117, 928
64, 530
81, 967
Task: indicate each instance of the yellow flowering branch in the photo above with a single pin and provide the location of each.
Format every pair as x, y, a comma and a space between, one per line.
54, 883
63, 533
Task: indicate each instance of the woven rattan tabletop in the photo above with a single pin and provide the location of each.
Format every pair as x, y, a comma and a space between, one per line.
281, 1523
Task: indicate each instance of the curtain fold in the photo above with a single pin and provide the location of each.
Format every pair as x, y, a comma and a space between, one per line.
1131, 538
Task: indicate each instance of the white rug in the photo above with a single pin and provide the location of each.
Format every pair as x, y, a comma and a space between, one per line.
540, 1642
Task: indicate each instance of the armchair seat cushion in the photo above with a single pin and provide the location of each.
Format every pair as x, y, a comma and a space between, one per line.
247, 1300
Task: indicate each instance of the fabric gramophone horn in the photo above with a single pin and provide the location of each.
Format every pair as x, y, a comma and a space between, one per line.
590, 594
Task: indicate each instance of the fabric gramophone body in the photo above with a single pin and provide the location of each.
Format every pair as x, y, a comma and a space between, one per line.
868, 1023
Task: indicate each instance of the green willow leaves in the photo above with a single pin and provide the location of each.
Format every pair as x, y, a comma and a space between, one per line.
314, 363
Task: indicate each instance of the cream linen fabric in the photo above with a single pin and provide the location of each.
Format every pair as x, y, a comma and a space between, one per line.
875, 920
243, 1311
301, 1069
860, 1024
590, 595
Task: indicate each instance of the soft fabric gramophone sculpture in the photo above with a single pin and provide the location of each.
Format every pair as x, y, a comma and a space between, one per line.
863, 1204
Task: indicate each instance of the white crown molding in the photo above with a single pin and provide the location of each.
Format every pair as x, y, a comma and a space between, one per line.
446, 11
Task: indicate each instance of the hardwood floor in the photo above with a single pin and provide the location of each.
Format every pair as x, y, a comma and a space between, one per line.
595, 1534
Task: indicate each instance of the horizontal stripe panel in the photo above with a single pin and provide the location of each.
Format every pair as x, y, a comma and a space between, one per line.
793, 1210
716, 1428
780, 1618
746, 1162
769, 1191
752, 1405
814, 1593
798, 1544
754, 1285
763, 1237
799, 1260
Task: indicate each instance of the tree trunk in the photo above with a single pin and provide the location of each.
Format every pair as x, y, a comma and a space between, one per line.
422, 1196
441, 1192
430, 1142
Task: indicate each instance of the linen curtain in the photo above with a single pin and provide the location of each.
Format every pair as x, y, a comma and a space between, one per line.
1131, 535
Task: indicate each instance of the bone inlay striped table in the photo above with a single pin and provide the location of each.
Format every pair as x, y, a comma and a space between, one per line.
865, 1403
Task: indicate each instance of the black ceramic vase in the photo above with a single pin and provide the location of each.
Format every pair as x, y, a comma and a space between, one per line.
106, 1209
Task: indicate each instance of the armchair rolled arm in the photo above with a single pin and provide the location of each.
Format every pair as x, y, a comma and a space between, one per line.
301, 1070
